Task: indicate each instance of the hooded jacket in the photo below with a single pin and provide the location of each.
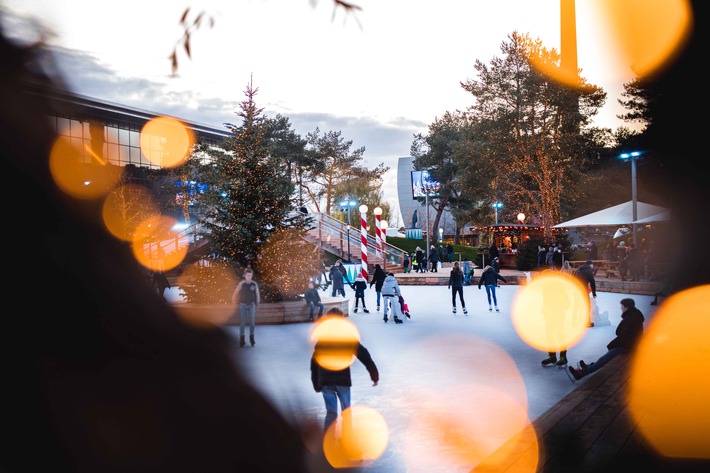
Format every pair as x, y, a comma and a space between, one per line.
629, 330
390, 287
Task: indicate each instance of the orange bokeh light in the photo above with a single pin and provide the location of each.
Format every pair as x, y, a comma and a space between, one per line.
125, 207
77, 175
669, 387
166, 141
156, 244
552, 311
336, 340
363, 438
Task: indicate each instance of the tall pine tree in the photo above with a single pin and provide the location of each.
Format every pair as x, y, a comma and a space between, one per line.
249, 197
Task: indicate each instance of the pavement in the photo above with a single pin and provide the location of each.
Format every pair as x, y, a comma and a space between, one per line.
443, 377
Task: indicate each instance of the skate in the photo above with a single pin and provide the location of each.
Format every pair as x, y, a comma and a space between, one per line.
355, 310
407, 314
454, 311
465, 312
378, 308
251, 340
385, 318
241, 340
397, 320
549, 361
366, 311
574, 374
497, 309
490, 308
562, 362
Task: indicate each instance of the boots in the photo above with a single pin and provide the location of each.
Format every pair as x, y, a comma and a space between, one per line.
562, 362
550, 360
241, 340
251, 340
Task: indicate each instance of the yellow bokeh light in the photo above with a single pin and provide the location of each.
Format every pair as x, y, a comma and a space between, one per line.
125, 207
363, 438
157, 245
80, 176
166, 141
336, 340
551, 313
465, 426
196, 314
669, 387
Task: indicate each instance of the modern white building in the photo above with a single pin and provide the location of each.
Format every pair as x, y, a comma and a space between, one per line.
408, 204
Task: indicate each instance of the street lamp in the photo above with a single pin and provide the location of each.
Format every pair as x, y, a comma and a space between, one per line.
496, 206
632, 156
348, 203
441, 234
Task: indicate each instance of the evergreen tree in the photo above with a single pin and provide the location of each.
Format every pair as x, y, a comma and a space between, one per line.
250, 197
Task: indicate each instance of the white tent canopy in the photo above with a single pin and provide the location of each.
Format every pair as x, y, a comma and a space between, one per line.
621, 214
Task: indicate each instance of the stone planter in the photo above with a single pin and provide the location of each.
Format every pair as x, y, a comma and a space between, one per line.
272, 313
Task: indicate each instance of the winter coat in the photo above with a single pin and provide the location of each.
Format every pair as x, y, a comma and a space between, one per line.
311, 295
420, 256
324, 377
390, 287
585, 273
360, 286
629, 330
378, 278
336, 276
489, 277
456, 279
433, 256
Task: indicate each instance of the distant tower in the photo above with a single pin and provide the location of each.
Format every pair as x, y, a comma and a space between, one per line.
568, 38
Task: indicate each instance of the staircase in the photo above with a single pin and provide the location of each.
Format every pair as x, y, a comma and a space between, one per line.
329, 234
339, 239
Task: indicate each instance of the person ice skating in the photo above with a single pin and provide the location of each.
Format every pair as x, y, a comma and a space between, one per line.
391, 293
335, 385
337, 279
585, 274
434, 259
404, 307
489, 278
248, 297
312, 299
555, 305
378, 277
456, 286
360, 285
628, 333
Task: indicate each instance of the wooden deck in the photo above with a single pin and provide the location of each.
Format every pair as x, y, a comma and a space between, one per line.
589, 430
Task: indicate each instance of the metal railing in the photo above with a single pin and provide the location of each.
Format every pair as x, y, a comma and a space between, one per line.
333, 232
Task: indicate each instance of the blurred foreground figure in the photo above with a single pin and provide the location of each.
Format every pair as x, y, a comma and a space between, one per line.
99, 374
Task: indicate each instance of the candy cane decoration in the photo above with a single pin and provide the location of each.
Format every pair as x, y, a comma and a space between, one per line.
378, 232
363, 240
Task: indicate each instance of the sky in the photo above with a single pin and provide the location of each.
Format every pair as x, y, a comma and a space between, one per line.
379, 75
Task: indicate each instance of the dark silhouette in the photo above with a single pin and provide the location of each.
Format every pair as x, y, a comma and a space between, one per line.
122, 383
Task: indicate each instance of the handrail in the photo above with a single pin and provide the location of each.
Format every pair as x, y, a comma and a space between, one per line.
391, 253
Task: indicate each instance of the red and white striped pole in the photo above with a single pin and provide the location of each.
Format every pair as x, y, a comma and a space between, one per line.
378, 232
363, 240
383, 225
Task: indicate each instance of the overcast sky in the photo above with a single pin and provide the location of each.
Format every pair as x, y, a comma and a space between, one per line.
379, 75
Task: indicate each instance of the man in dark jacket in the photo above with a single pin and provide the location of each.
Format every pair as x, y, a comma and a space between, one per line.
585, 274
335, 384
336, 279
628, 334
312, 299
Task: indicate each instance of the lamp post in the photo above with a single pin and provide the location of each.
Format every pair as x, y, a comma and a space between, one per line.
348, 203
441, 235
496, 206
632, 156
378, 232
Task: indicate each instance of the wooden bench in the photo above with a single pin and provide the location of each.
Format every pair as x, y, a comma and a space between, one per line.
589, 430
